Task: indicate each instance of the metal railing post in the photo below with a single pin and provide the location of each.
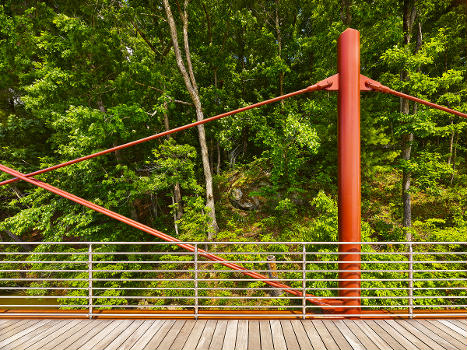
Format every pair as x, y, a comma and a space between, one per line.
304, 281
90, 281
410, 280
196, 281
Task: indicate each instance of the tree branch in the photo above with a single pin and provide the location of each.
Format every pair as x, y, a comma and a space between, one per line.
163, 92
145, 39
208, 22
187, 46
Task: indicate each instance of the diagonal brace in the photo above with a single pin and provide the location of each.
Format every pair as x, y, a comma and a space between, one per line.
318, 86
324, 303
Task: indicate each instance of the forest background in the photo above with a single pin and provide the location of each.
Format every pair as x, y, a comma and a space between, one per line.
82, 76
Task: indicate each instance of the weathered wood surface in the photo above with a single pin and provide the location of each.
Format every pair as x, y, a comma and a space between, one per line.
69, 334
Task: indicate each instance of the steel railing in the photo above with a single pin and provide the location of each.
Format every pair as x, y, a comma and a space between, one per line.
411, 279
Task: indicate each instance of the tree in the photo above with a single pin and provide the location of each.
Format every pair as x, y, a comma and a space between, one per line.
192, 87
410, 13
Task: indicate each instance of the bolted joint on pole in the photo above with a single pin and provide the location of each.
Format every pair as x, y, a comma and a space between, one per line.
349, 169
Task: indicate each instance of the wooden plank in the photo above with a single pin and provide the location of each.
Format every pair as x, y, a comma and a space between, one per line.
328, 340
446, 330
265, 335
195, 334
219, 335
56, 338
230, 335
313, 335
411, 341
22, 333
388, 338
4, 323
289, 335
46, 335
423, 334
206, 336
91, 327
171, 335
363, 339
242, 335
112, 335
302, 338
226, 335
337, 335
368, 332
153, 329
84, 337
123, 336
14, 328
277, 335
137, 334
106, 336
439, 336
159, 336
349, 335
254, 337
454, 327
183, 335
36, 333
458, 323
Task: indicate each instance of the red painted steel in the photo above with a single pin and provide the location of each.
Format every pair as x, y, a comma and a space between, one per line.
318, 86
349, 167
381, 88
334, 79
325, 303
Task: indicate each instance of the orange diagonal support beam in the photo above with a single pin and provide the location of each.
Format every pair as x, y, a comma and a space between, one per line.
382, 88
318, 86
325, 303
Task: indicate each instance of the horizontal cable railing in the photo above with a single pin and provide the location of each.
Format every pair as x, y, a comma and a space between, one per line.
409, 279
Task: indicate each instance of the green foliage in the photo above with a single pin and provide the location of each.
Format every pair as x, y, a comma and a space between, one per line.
194, 225
76, 78
173, 164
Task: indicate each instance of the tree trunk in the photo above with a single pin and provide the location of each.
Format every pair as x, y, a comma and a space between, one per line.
218, 149
407, 139
272, 273
279, 50
211, 155
17, 239
454, 157
451, 142
177, 194
190, 83
16, 190
346, 17
175, 215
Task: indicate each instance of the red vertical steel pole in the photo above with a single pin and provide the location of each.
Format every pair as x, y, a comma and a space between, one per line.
349, 168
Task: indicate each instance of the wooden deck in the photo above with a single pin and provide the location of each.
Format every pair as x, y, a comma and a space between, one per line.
74, 334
